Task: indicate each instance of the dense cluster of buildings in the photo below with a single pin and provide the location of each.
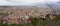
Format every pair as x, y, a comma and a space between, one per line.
24, 14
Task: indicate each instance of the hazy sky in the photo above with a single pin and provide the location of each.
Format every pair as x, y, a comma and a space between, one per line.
24, 2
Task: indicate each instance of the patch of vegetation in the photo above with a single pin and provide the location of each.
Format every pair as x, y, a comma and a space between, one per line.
38, 22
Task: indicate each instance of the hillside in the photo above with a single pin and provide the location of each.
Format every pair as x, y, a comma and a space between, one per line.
25, 14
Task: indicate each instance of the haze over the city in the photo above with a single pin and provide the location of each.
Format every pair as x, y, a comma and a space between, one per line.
25, 2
